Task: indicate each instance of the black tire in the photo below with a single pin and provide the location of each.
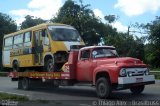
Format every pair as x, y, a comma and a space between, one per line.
15, 66
51, 86
56, 84
137, 89
20, 84
26, 84
103, 88
49, 66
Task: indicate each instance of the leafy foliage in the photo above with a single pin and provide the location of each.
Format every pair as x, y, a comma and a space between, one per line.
152, 51
31, 21
110, 18
126, 45
7, 25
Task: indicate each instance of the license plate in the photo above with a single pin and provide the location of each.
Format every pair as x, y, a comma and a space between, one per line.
139, 79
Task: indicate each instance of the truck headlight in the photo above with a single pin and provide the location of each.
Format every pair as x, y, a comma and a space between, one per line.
129, 74
123, 72
147, 72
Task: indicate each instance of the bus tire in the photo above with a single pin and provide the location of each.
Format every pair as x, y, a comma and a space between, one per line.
103, 88
49, 66
15, 66
25, 84
137, 89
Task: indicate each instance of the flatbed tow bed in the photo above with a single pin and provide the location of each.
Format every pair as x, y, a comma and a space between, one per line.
40, 75
29, 80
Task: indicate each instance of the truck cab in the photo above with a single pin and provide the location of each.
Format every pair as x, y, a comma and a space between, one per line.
103, 68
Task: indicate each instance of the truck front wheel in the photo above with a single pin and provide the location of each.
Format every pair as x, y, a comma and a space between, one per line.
137, 89
103, 88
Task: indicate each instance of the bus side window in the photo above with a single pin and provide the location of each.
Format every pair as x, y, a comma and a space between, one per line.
18, 41
27, 39
46, 39
8, 42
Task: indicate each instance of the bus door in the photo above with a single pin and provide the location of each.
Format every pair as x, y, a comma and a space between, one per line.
38, 47
46, 43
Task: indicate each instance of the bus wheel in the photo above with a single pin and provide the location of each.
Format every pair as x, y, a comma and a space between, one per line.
137, 89
103, 87
49, 66
15, 66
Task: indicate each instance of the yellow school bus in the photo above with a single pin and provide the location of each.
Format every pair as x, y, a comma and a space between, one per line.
45, 45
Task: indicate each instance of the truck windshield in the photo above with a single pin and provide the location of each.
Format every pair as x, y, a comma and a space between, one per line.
64, 33
104, 52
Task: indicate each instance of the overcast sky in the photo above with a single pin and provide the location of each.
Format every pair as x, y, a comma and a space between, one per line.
129, 11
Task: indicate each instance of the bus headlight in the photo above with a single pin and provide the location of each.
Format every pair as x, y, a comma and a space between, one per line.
123, 72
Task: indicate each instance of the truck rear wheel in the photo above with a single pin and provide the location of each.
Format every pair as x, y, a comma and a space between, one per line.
25, 84
103, 88
137, 89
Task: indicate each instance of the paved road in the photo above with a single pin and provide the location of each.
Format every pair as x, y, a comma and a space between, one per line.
78, 94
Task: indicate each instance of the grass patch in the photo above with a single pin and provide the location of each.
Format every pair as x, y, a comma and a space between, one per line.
3, 74
6, 96
155, 69
157, 75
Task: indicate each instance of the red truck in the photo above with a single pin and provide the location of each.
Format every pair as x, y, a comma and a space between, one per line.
99, 66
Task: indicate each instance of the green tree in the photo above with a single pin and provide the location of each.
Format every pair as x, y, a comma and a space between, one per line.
83, 19
31, 21
152, 51
126, 45
7, 25
111, 18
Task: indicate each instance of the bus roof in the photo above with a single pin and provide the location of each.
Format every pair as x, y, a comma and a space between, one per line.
34, 28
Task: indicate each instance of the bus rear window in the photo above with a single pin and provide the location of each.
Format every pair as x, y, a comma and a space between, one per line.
8, 41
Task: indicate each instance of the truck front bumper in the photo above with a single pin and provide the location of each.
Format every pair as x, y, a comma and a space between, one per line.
127, 82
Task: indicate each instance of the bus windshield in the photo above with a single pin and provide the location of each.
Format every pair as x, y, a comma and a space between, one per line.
64, 33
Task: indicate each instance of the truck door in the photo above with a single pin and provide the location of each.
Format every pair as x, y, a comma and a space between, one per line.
38, 47
84, 71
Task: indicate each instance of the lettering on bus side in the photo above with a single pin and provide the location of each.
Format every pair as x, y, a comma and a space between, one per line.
23, 51
16, 52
